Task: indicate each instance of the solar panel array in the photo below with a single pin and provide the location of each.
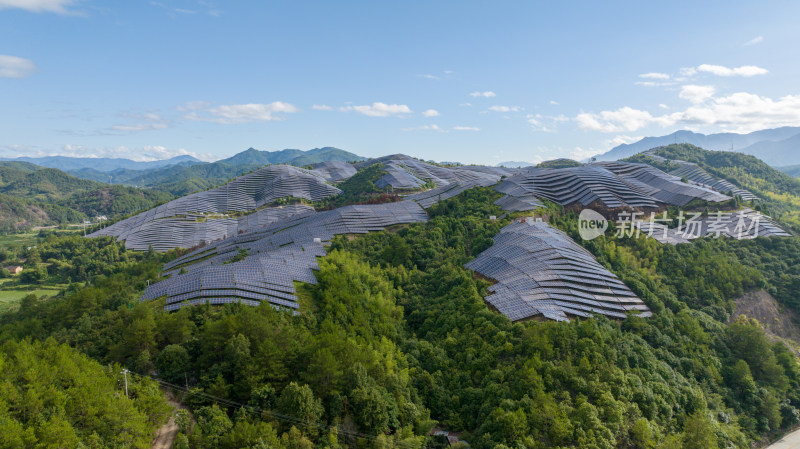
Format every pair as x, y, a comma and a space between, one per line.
694, 173
334, 171
430, 197
614, 184
585, 185
740, 225
406, 173
190, 230
201, 217
540, 271
397, 177
497, 171
664, 187
277, 256
519, 203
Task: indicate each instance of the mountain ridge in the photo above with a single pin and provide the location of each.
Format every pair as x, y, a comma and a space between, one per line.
183, 178
66, 163
744, 143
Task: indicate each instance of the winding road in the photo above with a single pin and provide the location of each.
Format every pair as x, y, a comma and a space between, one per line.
789, 441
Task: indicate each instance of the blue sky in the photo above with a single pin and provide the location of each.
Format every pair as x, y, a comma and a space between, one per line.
476, 82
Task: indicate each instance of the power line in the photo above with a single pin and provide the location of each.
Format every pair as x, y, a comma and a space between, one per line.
257, 410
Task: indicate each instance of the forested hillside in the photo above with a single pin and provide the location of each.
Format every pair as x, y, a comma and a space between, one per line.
19, 214
54, 396
36, 196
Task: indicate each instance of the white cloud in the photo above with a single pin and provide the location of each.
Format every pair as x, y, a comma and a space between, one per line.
379, 109
57, 6
554, 102
139, 127
755, 40
465, 128
322, 107
743, 112
193, 106
431, 113
663, 106
173, 12
15, 67
431, 77
739, 112
623, 119
425, 128
619, 140
648, 83
579, 154
158, 152
243, 113
146, 153
655, 76
505, 108
464, 105
142, 122
487, 94
696, 94
745, 70
545, 123
688, 71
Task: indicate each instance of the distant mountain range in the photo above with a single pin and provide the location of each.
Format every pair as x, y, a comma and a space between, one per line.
184, 174
791, 170
776, 147
67, 163
298, 158
514, 164
61, 189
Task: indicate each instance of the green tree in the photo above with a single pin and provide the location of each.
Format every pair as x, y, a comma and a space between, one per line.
699, 432
213, 424
299, 402
173, 364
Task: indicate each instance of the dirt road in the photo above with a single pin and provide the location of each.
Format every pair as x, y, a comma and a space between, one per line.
790, 441
167, 433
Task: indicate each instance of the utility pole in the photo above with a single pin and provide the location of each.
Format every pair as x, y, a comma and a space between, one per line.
125, 373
